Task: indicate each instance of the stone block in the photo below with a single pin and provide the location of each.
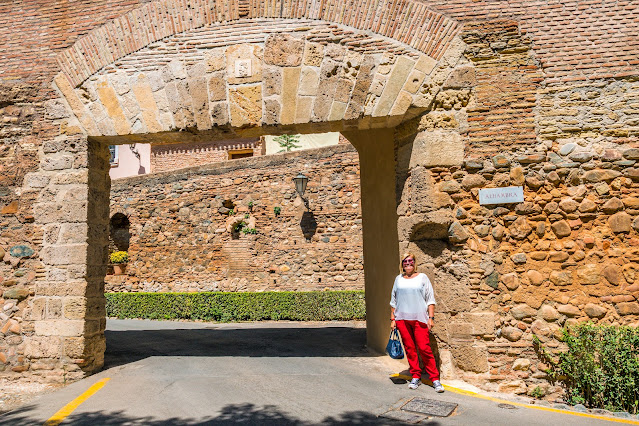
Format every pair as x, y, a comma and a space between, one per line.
67, 288
245, 105
461, 78
521, 364
271, 114
402, 103
560, 278
561, 229
434, 148
313, 54
69, 254
512, 334
483, 322
470, 357
595, 311
627, 308
309, 81
72, 233
109, 100
396, 81
200, 100
429, 226
548, 313
59, 327
37, 347
75, 307
219, 113
304, 109
284, 50
620, 222
217, 87
290, 81
522, 311
244, 63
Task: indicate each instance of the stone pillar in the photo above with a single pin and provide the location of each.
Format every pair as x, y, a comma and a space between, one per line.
68, 310
376, 150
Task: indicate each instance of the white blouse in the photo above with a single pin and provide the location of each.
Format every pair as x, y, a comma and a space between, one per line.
411, 297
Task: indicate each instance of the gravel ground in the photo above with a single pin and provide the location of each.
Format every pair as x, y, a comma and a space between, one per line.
14, 394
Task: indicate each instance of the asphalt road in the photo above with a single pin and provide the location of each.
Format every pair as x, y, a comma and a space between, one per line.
269, 373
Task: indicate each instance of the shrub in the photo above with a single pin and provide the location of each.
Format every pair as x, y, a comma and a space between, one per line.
249, 231
119, 257
229, 307
599, 368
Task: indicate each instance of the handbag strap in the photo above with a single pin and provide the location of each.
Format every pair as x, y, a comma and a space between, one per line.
394, 334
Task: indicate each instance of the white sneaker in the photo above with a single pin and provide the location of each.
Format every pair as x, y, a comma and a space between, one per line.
438, 386
414, 384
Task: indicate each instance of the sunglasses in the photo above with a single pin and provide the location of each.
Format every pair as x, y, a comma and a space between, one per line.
408, 262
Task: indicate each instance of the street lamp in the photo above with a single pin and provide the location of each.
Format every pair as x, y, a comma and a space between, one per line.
300, 186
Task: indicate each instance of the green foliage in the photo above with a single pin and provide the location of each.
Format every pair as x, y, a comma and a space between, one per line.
231, 212
287, 142
537, 392
600, 367
229, 307
239, 226
246, 216
118, 257
249, 231
250, 204
277, 210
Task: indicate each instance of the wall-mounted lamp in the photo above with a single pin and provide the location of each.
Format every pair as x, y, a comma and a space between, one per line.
300, 186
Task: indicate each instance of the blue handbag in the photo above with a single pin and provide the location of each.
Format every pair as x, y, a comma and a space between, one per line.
394, 346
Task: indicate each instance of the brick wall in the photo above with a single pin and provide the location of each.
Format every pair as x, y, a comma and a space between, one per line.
177, 156
573, 40
180, 239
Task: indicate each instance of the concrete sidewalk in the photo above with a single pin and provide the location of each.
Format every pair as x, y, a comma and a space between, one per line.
267, 373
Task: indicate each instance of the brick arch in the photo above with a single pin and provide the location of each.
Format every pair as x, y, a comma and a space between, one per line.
409, 22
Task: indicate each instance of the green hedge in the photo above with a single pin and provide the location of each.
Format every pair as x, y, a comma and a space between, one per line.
600, 366
228, 307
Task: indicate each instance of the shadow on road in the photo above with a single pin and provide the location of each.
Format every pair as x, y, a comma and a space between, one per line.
248, 414
133, 345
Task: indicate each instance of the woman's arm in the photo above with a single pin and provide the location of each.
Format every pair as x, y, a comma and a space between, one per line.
393, 303
431, 316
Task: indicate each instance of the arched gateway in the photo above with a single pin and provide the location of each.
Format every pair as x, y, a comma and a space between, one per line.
205, 69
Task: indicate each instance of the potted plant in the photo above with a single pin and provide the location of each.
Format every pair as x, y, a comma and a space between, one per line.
119, 260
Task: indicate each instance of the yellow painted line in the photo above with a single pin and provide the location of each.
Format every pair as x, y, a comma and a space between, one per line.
520, 404
64, 412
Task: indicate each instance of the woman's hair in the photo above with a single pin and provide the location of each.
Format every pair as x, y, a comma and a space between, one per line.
401, 261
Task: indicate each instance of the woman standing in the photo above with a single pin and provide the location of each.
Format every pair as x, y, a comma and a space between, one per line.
413, 313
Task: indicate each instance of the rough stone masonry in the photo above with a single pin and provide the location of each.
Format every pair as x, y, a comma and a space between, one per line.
440, 99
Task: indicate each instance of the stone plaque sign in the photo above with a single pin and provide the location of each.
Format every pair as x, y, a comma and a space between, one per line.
509, 194
243, 68
430, 407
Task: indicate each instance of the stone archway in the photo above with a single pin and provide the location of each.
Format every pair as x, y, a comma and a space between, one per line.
208, 71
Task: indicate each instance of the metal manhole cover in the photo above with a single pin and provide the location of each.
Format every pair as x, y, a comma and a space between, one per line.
430, 407
507, 406
403, 416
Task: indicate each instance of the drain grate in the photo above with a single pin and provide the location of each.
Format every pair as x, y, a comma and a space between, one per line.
507, 406
430, 407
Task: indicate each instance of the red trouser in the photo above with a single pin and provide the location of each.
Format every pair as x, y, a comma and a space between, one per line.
416, 333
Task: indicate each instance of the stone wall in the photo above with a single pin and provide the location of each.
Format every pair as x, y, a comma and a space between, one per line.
567, 254
181, 238
464, 80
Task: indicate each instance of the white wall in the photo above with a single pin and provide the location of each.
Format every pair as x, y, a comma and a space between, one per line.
128, 164
316, 140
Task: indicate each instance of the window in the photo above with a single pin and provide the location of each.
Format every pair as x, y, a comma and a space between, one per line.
240, 153
113, 159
